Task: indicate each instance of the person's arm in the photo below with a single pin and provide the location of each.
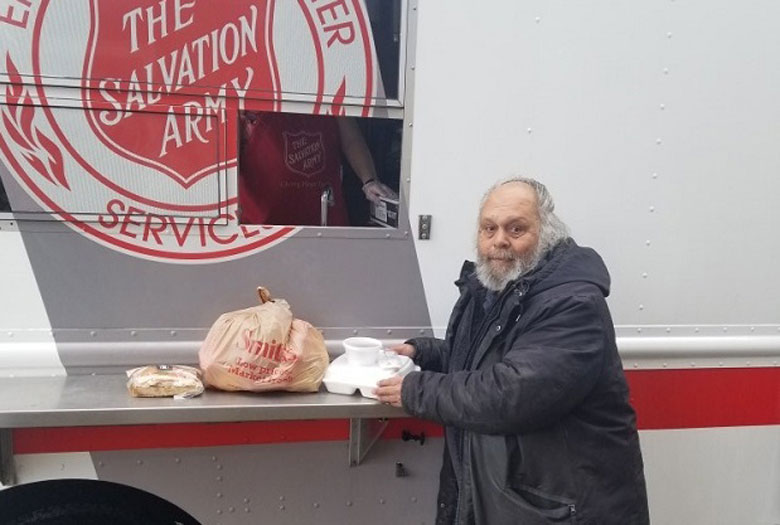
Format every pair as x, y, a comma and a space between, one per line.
355, 149
430, 353
547, 373
427, 352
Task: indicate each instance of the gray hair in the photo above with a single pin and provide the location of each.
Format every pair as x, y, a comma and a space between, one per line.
552, 230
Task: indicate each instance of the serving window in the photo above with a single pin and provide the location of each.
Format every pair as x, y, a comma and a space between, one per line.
318, 170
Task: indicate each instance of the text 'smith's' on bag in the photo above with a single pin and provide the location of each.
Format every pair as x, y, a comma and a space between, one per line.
263, 348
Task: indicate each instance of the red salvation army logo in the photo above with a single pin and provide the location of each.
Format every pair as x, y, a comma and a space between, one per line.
223, 49
121, 117
304, 153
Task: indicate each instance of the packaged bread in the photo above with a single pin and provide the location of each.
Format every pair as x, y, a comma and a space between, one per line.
177, 381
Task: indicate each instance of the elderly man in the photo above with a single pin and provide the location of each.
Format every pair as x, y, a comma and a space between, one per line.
528, 381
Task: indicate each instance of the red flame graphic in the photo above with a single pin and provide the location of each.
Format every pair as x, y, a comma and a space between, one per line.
40, 151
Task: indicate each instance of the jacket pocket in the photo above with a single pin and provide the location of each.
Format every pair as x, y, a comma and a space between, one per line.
500, 495
537, 507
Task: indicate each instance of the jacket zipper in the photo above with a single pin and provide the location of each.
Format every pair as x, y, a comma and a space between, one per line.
491, 315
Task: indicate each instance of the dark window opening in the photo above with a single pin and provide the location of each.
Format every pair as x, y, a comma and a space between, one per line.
317, 170
385, 18
4, 204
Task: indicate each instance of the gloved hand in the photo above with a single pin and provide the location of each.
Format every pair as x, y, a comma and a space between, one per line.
374, 189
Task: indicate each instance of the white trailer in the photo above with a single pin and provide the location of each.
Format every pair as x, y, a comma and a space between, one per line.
654, 125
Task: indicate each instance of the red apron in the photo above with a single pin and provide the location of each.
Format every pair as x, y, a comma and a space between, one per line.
286, 162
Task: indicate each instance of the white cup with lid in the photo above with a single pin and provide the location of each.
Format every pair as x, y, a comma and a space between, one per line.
362, 351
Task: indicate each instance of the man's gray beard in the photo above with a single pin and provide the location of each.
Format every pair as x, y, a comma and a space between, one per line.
496, 280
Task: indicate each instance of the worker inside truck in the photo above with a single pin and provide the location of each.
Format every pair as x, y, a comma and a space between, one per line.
315, 170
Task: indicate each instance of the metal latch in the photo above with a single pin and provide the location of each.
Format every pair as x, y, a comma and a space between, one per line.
327, 200
408, 436
424, 227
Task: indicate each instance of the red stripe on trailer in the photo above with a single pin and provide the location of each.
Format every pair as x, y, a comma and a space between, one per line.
186, 435
75, 439
728, 397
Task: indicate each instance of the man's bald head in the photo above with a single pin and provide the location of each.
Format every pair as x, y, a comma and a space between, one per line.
543, 198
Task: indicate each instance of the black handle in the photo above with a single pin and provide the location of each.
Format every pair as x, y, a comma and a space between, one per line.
408, 436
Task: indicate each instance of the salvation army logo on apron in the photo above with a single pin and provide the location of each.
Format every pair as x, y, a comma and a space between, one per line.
120, 118
304, 153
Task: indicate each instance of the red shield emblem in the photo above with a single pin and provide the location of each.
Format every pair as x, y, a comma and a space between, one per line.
304, 153
171, 49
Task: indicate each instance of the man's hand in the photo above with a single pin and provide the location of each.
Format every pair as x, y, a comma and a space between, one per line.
388, 391
404, 349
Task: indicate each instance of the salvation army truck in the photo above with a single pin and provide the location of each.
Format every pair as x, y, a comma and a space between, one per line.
160, 159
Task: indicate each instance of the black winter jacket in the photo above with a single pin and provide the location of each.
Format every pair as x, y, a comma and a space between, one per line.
539, 429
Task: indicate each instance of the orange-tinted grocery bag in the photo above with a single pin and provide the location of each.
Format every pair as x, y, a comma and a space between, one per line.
263, 348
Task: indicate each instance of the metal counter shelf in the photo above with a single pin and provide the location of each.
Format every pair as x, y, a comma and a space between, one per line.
102, 400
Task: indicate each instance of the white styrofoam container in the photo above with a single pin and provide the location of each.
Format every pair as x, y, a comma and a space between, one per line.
343, 378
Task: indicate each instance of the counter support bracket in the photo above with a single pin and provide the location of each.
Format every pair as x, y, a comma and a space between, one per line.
363, 433
7, 471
